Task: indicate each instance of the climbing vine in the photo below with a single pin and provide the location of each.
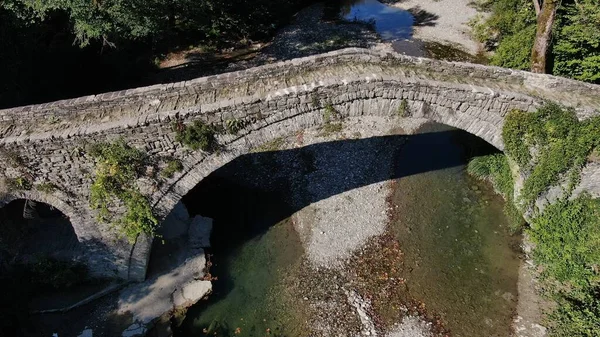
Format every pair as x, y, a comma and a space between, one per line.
117, 170
551, 146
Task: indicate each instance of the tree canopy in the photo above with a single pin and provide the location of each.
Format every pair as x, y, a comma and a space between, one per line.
574, 49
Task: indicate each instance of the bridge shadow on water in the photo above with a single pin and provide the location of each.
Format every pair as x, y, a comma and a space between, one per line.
256, 191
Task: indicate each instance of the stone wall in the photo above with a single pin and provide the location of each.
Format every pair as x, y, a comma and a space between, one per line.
46, 143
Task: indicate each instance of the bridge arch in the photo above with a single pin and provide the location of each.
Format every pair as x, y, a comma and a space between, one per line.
66, 209
271, 100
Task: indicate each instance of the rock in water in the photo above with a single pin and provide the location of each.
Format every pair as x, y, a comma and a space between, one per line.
199, 232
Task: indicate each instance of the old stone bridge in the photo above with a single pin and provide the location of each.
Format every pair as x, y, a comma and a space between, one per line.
46, 142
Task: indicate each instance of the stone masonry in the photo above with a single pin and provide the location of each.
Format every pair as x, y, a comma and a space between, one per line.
46, 143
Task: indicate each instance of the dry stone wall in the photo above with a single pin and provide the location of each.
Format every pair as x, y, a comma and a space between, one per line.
47, 142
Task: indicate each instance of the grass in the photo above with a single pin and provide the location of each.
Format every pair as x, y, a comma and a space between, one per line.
330, 128
403, 108
272, 145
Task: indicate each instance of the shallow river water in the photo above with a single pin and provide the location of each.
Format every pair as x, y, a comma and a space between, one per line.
459, 258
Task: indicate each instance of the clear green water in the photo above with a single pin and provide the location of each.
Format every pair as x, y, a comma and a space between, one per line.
460, 256
251, 305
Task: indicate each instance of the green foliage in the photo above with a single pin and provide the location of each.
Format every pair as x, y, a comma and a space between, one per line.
567, 240
328, 113
233, 126
403, 108
273, 145
55, 274
172, 167
562, 145
331, 128
514, 50
496, 169
197, 136
550, 144
136, 19
19, 183
510, 30
577, 41
117, 170
138, 216
46, 187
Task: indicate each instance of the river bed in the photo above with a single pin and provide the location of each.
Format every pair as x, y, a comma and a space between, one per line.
444, 236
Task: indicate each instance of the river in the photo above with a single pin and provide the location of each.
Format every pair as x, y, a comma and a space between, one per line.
458, 257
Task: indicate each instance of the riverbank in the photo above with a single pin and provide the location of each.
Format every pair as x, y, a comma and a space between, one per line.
443, 21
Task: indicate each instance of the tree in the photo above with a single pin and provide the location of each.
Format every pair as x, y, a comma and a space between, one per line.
576, 47
545, 21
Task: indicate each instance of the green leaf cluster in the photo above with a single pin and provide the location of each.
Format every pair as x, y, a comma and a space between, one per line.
173, 166
117, 170
567, 246
197, 136
496, 169
510, 31
111, 20
548, 144
577, 41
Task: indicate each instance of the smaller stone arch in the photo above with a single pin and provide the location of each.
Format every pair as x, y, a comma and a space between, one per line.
69, 211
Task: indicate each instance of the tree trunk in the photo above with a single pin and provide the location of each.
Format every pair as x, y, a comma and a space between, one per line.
545, 20
536, 5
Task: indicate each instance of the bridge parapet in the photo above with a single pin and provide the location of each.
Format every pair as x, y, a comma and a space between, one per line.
95, 113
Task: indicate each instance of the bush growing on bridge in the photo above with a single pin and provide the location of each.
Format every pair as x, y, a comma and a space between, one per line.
197, 136
561, 143
117, 170
548, 145
172, 167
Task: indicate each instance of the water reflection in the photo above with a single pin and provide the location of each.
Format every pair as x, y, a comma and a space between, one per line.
390, 22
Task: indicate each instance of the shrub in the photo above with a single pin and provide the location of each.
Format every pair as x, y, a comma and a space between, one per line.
567, 232
233, 126
562, 144
172, 167
403, 108
51, 273
496, 169
328, 113
197, 136
117, 170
